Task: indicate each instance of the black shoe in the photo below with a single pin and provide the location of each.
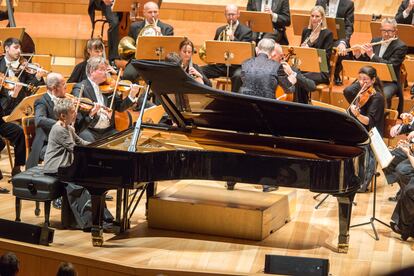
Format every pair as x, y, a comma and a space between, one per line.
393, 198
15, 170
267, 188
57, 203
338, 81
4, 190
230, 185
109, 197
412, 90
107, 227
396, 229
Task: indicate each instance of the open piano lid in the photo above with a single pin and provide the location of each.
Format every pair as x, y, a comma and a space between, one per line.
212, 108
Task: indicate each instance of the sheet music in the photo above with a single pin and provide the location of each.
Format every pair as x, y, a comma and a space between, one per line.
381, 151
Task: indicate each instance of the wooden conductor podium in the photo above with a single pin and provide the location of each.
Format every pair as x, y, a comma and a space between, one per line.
335, 25
209, 208
257, 21
157, 47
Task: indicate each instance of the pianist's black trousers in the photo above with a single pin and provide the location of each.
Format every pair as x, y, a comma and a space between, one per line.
220, 70
14, 133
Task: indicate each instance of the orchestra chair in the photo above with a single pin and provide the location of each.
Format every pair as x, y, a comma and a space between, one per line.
34, 185
391, 117
7, 142
102, 20
322, 86
222, 83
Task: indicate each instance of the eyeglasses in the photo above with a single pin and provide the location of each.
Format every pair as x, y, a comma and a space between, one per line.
387, 31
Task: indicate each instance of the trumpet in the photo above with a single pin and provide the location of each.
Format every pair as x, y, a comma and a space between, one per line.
227, 33
347, 50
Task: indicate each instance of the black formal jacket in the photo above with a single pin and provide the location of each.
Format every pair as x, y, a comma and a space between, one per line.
345, 11
93, 4
395, 54
324, 41
136, 27
399, 16
78, 73
242, 33
8, 103
281, 8
88, 92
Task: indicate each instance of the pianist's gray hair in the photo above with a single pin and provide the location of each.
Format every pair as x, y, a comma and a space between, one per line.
53, 80
63, 106
93, 64
266, 45
389, 20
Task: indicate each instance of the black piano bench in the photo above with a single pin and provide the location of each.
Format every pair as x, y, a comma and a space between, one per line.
32, 184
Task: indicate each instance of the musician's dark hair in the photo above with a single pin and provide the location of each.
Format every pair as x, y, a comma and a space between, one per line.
66, 269
9, 264
173, 57
371, 72
93, 44
10, 41
186, 42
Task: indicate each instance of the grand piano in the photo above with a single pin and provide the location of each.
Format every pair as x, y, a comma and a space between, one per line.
217, 135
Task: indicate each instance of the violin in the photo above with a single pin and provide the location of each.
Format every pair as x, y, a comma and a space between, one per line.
364, 96
85, 104
124, 86
10, 82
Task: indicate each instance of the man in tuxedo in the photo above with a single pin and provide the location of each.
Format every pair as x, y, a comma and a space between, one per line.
151, 14
405, 15
392, 53
279, 9
113, 19
101, 124
340, 9
235, 31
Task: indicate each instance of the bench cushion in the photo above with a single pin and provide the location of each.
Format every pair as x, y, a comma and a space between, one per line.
33, 184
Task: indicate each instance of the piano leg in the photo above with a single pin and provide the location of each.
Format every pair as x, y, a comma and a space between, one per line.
98, 204
345, 210
151, 190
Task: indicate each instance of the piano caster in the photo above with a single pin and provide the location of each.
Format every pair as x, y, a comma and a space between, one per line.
343, 248
97, 237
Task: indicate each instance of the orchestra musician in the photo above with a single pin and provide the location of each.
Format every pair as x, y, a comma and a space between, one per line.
186, 53
113, 19
405, 15
12, 65
233, 31
94, 48
45, 116
391, 52
279, 9
316, 35
103, 123
340, 9
151, 16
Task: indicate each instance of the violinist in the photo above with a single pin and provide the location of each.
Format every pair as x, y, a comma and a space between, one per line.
102, 123
392, 52
368, 107
45, 116
12, 65
316, 35
94, 48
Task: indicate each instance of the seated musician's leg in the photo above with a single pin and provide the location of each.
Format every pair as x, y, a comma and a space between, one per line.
390, 89
214, 70
318, 78
113, 31
351, 91
236, 81
404, 172
14, 133
403, 215
390, 172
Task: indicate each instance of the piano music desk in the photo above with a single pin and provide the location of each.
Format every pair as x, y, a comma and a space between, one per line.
200, 207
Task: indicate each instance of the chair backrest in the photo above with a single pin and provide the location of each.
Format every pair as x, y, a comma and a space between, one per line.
332, 62
29, 130
391, 117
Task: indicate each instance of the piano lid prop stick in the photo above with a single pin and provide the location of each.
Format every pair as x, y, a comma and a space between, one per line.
137, 130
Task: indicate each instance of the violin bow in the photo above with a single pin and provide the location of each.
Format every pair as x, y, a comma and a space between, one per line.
115, 88
79, 98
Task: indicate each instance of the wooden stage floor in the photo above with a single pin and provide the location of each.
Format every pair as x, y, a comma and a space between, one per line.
144, 251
